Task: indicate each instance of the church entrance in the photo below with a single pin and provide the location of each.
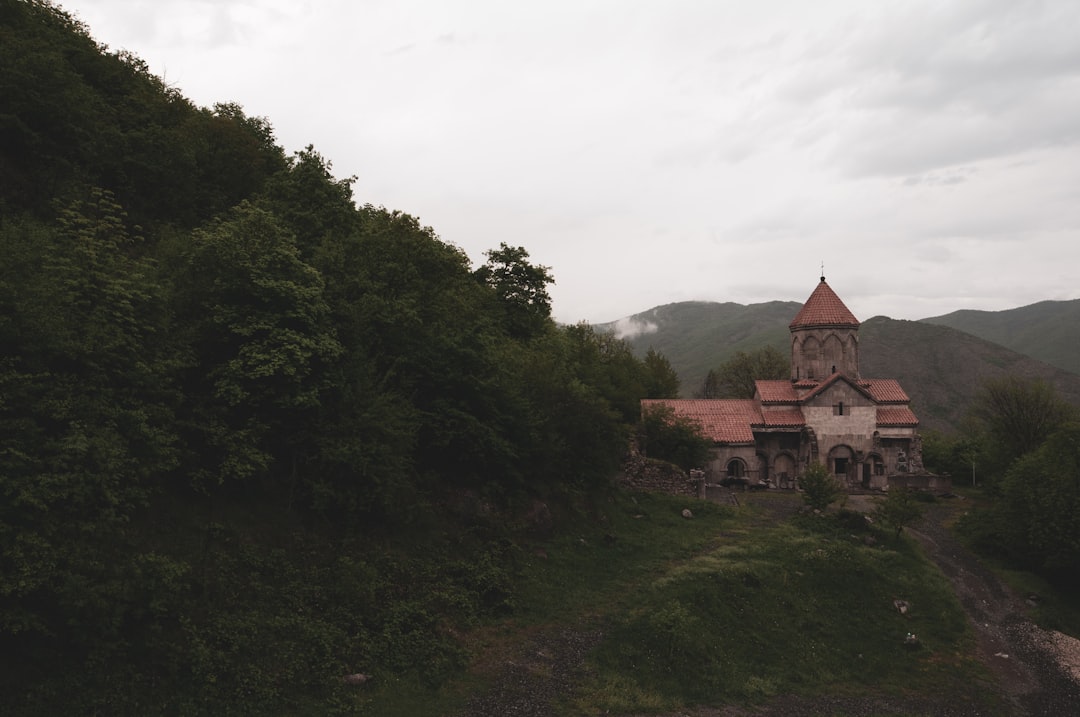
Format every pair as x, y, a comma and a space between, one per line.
842, 465
784, 471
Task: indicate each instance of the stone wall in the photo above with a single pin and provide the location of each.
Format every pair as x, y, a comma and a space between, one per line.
921, 481
646, 474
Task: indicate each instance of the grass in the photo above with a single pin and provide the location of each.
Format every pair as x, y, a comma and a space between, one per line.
797, 608
733, 606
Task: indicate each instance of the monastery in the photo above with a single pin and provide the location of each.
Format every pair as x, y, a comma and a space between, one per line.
861, 429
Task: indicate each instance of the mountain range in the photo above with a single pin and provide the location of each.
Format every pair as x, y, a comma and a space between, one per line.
941, 361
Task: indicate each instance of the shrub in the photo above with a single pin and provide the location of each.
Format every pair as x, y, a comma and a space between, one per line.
675, 439
899, 509
819, 488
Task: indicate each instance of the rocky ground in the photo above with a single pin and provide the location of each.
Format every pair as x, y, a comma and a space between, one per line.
1038, 672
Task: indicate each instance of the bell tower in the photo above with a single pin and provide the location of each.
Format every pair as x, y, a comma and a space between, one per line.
824, 338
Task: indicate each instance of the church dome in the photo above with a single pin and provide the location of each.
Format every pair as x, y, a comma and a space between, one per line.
823, 308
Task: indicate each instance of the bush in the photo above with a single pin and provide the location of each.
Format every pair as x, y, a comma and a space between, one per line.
819, 488
675, 439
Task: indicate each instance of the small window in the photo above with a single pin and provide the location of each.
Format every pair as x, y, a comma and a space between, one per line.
838, 409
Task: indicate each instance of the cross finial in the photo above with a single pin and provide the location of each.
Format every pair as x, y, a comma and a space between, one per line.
823, 271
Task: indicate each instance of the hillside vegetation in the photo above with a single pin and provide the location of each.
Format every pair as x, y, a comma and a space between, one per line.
257, 435
943, 369
697, 336
1047, 331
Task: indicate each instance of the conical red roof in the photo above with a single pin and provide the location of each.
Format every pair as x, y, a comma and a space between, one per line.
823, 308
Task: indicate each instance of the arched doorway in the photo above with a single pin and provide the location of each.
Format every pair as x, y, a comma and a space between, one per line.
784, 469
873, 466
736, 468
841, 464
763, 476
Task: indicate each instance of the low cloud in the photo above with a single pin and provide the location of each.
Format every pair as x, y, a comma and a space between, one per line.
631, 327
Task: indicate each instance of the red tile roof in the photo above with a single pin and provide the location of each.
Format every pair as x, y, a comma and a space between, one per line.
859, 386
823, 308
773, 391
885, 390
896, 416
722, 420
784, 417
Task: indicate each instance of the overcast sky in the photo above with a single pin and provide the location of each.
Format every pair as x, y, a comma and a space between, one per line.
652, 152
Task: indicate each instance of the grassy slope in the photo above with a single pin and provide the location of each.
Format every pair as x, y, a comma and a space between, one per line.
734, 606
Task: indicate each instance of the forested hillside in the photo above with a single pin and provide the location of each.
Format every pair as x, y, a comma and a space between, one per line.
943, 369
698, 336
1047, 330
257, 433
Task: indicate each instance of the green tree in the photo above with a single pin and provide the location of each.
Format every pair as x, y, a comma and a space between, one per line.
86, 414
1039, 510
736, 377
819, 487
521, 287
609, 366
259, 340
1015, 416
675, 439
315, 206
899, 509
421, 368
661, 381
575, 438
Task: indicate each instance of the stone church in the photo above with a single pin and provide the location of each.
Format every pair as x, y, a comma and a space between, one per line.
861, 429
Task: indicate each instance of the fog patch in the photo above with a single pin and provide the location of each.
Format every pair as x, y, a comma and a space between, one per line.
631, 327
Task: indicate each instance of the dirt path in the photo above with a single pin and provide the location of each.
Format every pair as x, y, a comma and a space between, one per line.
1034, 668
1031, 669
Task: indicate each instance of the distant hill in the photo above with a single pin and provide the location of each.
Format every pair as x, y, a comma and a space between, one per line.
697, 336
940, 367
1048, 330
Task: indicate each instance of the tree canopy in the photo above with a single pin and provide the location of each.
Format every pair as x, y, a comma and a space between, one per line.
1015, 416
736, 377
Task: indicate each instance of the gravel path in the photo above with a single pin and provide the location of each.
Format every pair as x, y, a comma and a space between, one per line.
1038, 672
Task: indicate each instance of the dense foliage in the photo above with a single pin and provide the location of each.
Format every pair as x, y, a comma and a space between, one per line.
255, 436
1023, 440
737, 377
676, 439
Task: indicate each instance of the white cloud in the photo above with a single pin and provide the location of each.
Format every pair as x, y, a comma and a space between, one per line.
690, 150
629, 327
